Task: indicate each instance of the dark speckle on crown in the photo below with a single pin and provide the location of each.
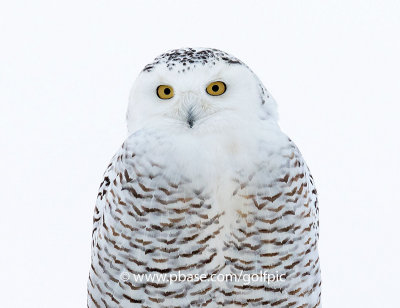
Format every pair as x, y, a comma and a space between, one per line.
190, 57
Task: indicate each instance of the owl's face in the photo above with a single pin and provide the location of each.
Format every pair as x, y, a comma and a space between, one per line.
193, 90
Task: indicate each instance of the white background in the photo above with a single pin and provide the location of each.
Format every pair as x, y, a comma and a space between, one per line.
66, 68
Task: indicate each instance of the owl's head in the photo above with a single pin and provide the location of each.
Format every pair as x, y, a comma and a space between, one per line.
198, 89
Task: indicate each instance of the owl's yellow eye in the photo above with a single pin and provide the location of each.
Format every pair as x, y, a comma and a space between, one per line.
165, 92
216, 88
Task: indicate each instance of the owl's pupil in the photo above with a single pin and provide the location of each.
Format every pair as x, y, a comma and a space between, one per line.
215, 88
167, 91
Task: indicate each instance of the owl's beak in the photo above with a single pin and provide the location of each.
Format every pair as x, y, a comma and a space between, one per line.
189, 108
190, 117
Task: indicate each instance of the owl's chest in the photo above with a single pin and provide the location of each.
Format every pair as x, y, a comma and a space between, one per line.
196, 190
194, 208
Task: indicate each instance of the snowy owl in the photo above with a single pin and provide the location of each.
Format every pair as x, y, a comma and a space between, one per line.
207, 202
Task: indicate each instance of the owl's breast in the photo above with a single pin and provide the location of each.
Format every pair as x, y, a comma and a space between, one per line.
207, 206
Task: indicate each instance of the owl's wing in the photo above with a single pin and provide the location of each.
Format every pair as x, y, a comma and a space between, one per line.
312, 191
299, 179
286, 222
103, 195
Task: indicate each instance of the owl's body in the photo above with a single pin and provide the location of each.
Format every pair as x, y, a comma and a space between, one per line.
231, 196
